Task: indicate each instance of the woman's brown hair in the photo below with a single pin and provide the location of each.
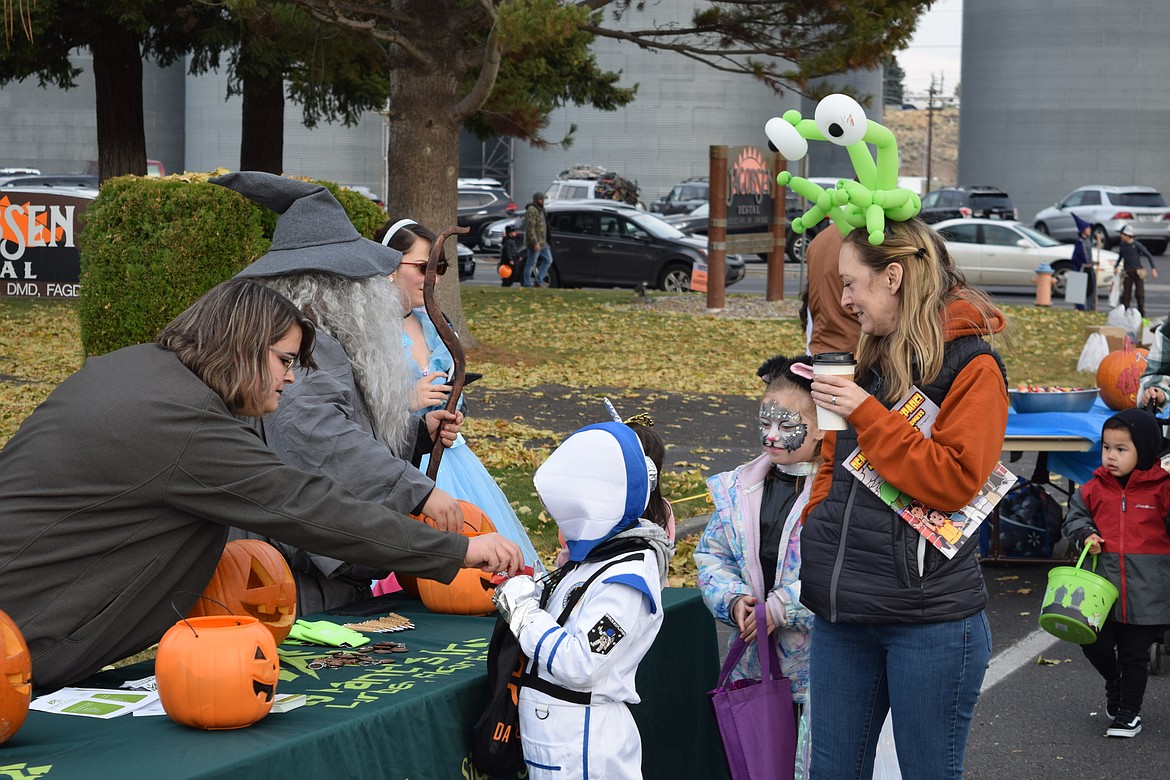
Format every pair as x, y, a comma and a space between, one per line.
224, 337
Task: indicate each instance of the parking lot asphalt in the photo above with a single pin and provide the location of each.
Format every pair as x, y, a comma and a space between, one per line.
1040, 716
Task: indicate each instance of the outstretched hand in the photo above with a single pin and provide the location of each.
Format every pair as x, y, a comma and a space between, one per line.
493, 553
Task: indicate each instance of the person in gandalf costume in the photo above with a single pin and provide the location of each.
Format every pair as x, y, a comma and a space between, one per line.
574, 716
350, 419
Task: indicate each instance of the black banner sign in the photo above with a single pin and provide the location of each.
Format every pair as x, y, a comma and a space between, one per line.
38, 243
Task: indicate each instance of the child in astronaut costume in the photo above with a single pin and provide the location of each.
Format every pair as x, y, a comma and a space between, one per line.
574, 719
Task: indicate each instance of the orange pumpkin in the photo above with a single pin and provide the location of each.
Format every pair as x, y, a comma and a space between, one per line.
505, 271
15, 678
217, 672
470, 593
1118, 376
253, 579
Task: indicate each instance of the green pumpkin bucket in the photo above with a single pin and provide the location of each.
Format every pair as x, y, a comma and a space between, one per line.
1076, 602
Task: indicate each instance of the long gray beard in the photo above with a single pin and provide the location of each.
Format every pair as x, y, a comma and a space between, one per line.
364, 315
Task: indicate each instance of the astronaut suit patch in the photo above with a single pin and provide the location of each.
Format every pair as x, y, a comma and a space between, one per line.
605, 635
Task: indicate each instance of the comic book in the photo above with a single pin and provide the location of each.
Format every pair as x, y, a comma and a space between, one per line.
947, 531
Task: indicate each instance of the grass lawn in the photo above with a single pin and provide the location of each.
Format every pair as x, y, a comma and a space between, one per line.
569, 337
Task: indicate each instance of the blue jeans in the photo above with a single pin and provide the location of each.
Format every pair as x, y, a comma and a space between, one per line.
927, 675
545, 255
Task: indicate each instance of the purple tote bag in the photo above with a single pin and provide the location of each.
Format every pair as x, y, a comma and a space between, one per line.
755, 717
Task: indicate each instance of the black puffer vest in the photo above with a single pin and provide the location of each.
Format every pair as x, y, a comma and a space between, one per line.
859, 560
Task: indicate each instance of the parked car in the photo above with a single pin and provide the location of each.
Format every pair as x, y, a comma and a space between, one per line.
466, 259
604, 244
492, 235
367, 193
994, 252
480, 205
1109, 209
154, 168
967, 202
685, 197
590, 182
695, 223
73, 180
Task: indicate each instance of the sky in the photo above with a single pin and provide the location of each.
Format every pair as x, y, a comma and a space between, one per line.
935, 49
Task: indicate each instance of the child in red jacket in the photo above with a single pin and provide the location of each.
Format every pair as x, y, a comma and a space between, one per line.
1121, 514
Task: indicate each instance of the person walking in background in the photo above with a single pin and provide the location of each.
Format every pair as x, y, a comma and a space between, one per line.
831, 328
1083, 259
1130, 252
899, 626
536, 240
750, 549
511, 256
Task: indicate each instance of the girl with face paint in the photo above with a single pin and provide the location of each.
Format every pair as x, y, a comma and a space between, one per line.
750, 550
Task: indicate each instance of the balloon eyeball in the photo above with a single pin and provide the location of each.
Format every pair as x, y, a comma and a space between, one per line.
786, 139
841, 120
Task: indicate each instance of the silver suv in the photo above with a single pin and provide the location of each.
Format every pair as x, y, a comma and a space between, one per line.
1110, 208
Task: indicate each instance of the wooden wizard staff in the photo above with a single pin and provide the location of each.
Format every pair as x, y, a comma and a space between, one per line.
446, 334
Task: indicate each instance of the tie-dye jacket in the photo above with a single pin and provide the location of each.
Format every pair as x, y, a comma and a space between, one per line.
728, 560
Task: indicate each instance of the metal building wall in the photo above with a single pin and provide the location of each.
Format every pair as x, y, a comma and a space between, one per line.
346, 155
1063, 93
55, 130
682, 107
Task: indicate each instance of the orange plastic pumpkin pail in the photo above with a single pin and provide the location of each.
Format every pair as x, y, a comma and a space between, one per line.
505, 271
217, 672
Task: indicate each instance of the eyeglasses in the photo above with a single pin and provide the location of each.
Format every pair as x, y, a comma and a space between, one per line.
288, 361
440, 269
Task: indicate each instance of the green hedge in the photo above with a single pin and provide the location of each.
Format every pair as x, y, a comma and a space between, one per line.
152, 246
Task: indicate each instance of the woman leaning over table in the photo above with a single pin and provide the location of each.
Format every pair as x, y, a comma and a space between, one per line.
900, 627
117, 492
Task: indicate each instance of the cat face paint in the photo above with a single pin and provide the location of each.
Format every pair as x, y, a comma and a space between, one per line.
781, 427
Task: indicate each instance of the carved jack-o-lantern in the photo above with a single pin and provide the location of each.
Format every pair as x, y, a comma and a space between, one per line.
1119, 375
217, 672
252, 578
470, 593
15, 678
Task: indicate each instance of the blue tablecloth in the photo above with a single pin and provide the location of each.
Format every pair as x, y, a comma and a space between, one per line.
1077, 466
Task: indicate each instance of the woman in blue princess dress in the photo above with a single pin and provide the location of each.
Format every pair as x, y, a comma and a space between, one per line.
460, 473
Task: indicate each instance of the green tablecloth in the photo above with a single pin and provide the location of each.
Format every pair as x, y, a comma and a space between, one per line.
408, 720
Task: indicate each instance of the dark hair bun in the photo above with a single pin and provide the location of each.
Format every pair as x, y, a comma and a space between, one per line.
779, 368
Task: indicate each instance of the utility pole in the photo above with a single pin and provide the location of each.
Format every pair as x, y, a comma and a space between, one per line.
930, 93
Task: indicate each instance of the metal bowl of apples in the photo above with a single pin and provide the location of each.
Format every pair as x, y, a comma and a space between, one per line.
1031, 398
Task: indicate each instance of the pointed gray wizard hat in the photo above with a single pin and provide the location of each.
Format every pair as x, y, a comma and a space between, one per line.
313, 232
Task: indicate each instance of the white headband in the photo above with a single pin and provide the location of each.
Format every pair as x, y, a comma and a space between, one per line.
395, 228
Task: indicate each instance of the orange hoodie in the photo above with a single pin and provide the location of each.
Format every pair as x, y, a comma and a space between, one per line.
947, 470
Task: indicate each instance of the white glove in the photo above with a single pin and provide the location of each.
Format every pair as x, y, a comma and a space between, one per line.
516, 600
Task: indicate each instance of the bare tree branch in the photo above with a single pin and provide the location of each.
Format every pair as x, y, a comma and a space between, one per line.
489, 69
